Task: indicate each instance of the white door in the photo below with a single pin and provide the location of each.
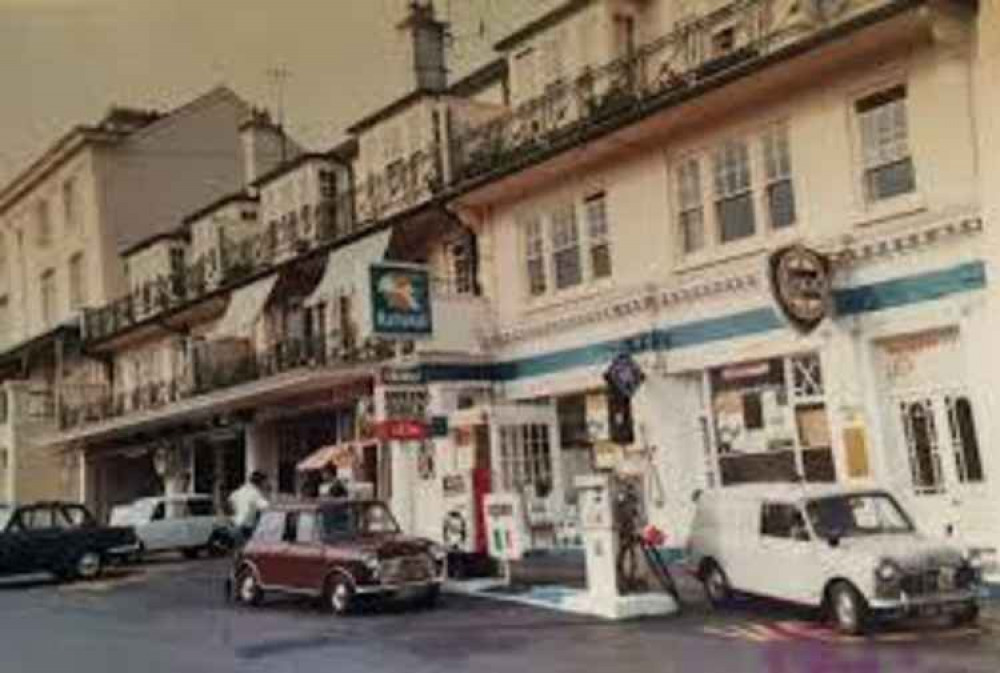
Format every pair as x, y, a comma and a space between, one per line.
933, 434
785, 564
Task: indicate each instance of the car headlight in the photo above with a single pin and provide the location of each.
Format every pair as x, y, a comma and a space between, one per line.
372, 564
888, 571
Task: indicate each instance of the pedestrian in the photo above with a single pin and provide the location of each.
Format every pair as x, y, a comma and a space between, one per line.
247, 502
332, 486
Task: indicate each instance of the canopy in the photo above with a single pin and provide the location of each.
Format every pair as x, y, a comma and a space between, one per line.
347, 268
245, 306
343, 456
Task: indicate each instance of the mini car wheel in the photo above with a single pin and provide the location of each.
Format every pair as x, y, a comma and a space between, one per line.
717, 587
339, 595
967, 616
88, 565
848, 609
247, 590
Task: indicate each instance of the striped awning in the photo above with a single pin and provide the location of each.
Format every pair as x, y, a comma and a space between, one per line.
344, 456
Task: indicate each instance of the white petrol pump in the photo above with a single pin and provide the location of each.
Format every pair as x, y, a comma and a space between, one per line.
597, 497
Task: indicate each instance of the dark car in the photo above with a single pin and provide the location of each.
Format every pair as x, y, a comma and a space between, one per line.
338, 551
55, 537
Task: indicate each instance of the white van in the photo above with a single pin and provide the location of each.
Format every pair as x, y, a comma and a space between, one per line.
188, 523
855, 553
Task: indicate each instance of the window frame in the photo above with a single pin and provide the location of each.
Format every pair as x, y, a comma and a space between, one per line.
49, 292
866, 163
77, 281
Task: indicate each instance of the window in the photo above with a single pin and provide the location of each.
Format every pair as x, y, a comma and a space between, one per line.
723, 41
733, 191
524, 69
69, 204
201, 507
526, 458
920, 432
888, 166
535, 256
691, 215
778, 189
964, 438
596, 208
271, 527
48, 289
566, 265
43, 223
4, 318
783, 521
77, 282
305, 527
552, 55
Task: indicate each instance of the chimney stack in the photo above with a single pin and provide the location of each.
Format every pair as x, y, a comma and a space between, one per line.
264, 145
428, 46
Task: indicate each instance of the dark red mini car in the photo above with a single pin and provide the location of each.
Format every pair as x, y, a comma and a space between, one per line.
338, 551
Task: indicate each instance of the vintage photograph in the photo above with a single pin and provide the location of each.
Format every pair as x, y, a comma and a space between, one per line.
498, 335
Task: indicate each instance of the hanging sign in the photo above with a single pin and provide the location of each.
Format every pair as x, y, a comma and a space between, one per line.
401, 430
624, 375
401, 301
802, 286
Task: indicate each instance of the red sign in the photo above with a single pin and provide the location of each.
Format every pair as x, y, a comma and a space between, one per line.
401, 430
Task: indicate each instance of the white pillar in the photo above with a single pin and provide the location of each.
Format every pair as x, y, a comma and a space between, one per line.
261, 451
404, 478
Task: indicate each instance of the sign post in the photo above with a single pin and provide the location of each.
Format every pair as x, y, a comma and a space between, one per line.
401, 301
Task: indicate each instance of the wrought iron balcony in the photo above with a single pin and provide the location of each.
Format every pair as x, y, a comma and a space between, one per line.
696, 52
220, 366
405, 183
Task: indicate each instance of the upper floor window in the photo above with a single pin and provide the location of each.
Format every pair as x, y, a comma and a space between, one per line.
560, 253
887, 163
69, 202
48, 292
524, 75
691, 214
779, 193
77, 282
596, 208
733, 191
4, 320
43, 224
534, 236
566, 263
749, 182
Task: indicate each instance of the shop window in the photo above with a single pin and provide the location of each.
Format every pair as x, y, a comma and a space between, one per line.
964, 438
526, 458
771, 422
572, 413
887, 162
920, 432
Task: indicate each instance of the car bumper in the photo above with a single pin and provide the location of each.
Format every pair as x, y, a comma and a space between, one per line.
940, 603
124, 550
404, 588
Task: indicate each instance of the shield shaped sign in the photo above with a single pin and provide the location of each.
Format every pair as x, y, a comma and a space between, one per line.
802, 286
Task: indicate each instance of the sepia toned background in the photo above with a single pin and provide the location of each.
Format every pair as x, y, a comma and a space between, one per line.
63, 62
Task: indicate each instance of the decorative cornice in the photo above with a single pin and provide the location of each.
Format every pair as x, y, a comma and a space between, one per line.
655, 298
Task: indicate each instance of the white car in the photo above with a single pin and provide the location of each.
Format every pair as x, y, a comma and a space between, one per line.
187, 523
856, 554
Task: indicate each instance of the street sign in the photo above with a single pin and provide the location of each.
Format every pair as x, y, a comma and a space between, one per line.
401, 430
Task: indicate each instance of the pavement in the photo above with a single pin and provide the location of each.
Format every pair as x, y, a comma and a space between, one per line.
171, 617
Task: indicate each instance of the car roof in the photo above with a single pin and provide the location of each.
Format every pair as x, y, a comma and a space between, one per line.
175, 498
319, 503
786, 491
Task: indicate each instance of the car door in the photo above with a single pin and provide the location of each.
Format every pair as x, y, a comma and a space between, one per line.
41, 542
788, 565
200, 521
266, 548
156, 531
305, 564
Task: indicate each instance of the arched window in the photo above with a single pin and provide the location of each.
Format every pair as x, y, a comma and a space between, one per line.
965, 439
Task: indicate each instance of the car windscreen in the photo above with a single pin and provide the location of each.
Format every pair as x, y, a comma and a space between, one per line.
857, 515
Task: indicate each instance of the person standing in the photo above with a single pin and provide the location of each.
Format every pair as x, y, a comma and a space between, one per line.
247, 502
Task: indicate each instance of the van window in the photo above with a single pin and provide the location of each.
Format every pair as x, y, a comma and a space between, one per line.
779, 520
201, 507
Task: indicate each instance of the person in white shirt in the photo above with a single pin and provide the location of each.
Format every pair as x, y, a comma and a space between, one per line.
247, 502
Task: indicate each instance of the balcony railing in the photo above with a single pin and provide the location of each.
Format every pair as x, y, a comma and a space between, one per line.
214, 369
697, 52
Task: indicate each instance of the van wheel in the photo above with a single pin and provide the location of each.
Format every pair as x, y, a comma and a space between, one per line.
339, 596
848, 609
717, 587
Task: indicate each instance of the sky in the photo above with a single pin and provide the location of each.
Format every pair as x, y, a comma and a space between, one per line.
64, 62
